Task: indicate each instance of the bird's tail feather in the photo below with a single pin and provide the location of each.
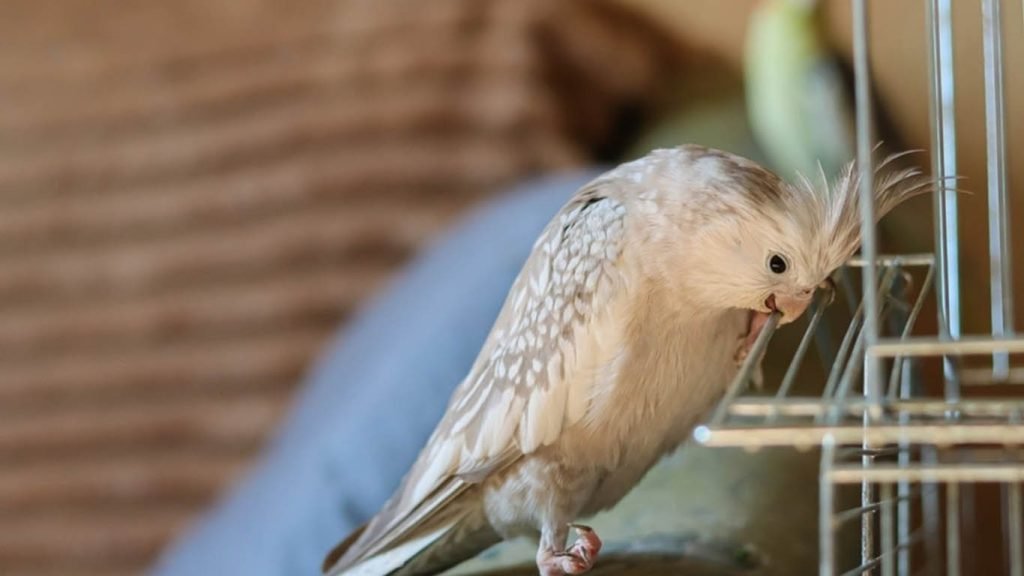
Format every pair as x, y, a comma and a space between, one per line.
338, 551
392, 560
462, 541
430, 551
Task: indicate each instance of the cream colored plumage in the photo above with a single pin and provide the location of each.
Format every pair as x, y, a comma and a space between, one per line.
620, 332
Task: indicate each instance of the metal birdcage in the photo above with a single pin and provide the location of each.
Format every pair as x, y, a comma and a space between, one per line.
914, 449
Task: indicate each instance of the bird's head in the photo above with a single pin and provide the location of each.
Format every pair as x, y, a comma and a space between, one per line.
731, 234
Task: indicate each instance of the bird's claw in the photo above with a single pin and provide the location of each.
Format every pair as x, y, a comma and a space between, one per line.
577, 559
586, 546
568, 563
580, 528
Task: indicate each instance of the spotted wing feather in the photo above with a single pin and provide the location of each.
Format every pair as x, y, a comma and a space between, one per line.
524, 387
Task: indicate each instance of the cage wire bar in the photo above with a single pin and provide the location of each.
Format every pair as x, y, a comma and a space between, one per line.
872, 365
941, 104
1000, 259
915, 458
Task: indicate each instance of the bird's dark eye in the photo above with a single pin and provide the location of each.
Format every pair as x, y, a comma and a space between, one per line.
777, 264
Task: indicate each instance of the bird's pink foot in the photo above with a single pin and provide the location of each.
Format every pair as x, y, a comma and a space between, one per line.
577, 559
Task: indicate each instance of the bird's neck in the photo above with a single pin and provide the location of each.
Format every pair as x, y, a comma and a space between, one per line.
660, 302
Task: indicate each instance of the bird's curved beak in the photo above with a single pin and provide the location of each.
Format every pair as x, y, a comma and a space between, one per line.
790, 306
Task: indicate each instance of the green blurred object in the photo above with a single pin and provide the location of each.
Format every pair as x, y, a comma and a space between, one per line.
800, 107
707, 108
798, 104
716, 119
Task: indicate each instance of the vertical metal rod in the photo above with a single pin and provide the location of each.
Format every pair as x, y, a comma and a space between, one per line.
1015, 531
903, 521
1000, 258
862, 80
903, 507
900, 363
943, 136
872, 373
867, 520
930, 513
967, 525
888, 544
826, 509
953, 529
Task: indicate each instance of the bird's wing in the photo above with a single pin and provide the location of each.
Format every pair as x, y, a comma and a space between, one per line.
529, 381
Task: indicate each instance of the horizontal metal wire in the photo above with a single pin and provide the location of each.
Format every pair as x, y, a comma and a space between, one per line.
949, 473
813, 406
901, 260
944, 433
860, 452
932, 346
984, 376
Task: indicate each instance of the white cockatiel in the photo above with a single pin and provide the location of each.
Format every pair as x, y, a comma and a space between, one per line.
622, 330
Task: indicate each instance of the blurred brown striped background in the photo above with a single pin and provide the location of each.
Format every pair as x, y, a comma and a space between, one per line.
195, 194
